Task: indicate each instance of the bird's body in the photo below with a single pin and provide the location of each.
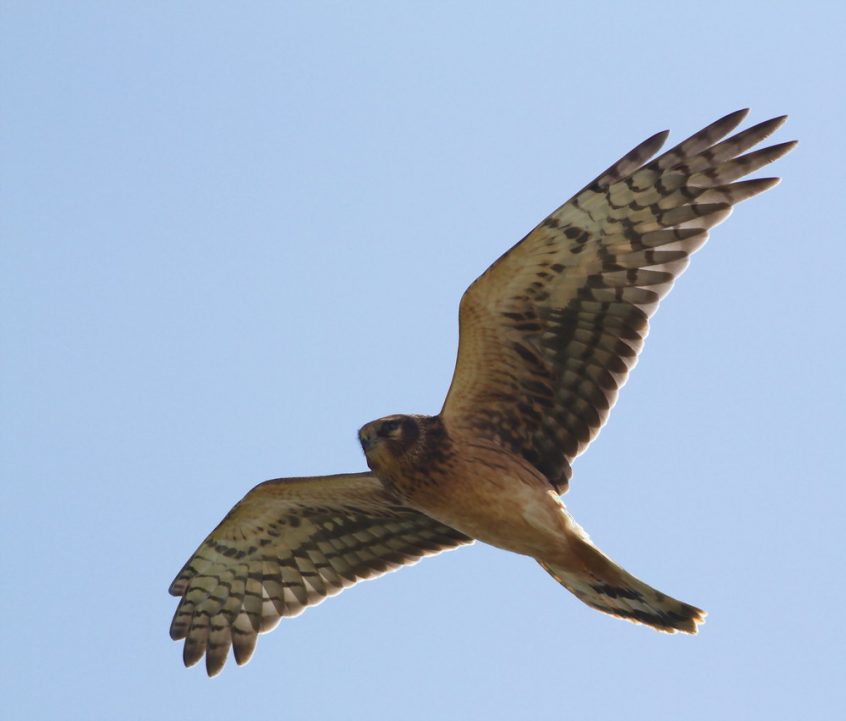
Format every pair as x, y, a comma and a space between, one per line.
499, 498
507, 504
548, 336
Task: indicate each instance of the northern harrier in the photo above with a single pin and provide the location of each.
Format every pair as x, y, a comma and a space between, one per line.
548, 336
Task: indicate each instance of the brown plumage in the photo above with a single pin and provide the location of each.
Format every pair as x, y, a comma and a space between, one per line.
286, 546
548, 336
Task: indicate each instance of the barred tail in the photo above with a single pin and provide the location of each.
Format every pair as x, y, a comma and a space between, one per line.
600, 583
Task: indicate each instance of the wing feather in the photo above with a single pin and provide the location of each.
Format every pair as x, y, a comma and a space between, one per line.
286, 546
550, 332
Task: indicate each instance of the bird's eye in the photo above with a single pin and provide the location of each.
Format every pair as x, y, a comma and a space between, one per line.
388, 427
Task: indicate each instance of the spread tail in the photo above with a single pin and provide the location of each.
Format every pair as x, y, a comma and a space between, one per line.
600, 583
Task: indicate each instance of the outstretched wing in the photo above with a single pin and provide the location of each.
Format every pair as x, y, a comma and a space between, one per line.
287, 545
550, 332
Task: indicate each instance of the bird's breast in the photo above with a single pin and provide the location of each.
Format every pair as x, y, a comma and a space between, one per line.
490, 494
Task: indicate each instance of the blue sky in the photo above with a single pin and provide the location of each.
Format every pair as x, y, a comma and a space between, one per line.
233, 233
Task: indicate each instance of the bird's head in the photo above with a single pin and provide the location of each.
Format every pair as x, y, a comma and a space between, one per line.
387, 439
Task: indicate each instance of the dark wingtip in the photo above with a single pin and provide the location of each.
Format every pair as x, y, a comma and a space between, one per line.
192, 653
214, 664
737, 115
652, 144
729, 122
779, 150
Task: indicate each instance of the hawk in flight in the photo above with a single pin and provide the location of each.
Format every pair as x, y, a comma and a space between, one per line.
548, 336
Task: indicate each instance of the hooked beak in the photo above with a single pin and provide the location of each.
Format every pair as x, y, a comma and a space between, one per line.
366, 439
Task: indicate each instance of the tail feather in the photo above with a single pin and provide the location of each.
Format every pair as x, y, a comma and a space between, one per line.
600, 583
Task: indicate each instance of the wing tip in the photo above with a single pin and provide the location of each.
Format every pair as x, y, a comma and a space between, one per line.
729, 122
788, 145
740, 114
177, 633
767, 183
651, 145
215, 663
192, 653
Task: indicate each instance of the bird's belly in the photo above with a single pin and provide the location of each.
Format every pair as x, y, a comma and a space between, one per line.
499, 500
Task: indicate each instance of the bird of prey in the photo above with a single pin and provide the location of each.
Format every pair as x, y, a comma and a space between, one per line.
548, 336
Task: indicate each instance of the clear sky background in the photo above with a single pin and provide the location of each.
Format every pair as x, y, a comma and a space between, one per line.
234, 232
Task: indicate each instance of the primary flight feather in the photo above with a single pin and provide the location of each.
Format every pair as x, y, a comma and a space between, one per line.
548, 336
